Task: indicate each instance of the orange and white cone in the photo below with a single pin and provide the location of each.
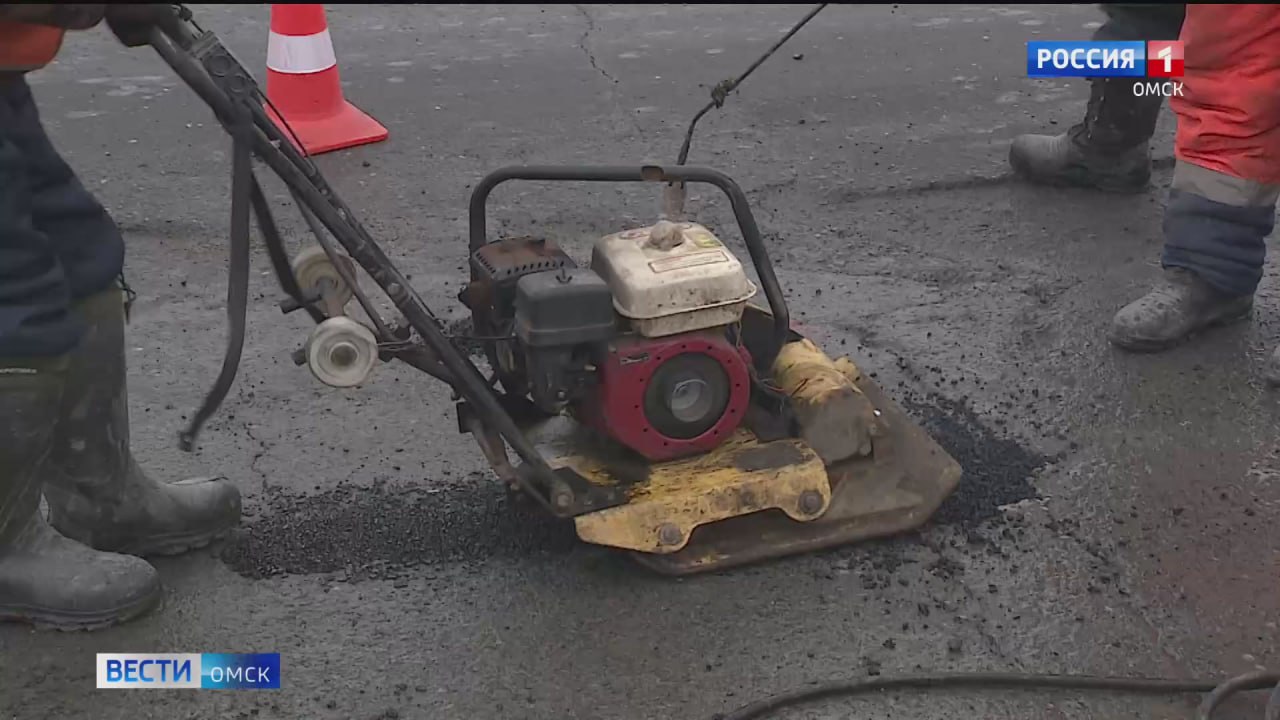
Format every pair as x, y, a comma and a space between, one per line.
303, 83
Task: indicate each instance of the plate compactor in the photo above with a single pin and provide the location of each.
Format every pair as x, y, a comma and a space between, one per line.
646, 394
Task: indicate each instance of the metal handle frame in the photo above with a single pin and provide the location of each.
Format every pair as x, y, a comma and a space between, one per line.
655, 174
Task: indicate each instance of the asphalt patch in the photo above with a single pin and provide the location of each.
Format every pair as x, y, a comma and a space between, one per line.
997, 471
375, 532
997, 468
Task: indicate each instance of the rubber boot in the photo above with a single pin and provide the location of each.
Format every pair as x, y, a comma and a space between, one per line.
96, 491
1273, 369
46, 579
1109, 150
1174, 311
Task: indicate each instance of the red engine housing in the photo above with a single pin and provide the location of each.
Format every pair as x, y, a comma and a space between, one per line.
617, 408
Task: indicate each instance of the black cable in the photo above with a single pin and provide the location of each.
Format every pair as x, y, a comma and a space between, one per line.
380, 329
302, 151
721, 91
242, 184
276, 252
1218, 691
1273, 705
674, 198
1219, 695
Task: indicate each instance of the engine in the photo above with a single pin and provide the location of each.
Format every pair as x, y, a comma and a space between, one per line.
638, 346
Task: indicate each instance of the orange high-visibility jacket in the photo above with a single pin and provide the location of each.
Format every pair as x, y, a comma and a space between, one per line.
31, 33
1229, 116
25, 47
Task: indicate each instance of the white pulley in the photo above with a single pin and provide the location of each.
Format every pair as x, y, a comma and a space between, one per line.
315, 272
341, 352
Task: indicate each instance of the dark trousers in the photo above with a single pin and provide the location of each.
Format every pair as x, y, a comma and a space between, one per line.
1117, 119
1222, 240
58, 245
1136, 21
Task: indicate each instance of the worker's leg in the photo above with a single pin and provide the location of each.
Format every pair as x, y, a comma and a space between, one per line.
96, 491
1215, 227
1225, 187
45, 578
1109, 149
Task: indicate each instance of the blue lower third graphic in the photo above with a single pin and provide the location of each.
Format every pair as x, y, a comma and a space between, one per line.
257, 671
1046, 59
207, 671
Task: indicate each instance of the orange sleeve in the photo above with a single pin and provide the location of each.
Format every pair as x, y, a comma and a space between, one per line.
25, 47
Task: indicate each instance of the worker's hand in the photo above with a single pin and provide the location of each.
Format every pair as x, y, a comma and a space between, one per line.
69, 16
132, 22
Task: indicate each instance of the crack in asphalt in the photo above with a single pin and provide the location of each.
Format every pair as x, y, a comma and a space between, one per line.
591, 58
262, 451
582, 43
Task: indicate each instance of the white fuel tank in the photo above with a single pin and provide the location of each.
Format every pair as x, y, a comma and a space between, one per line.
672, 278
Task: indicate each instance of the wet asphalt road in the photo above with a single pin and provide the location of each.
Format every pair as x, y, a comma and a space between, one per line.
1119, 514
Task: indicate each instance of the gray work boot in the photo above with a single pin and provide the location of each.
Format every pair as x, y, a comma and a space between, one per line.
1108, 151
1174, 311
45, 579
96, 491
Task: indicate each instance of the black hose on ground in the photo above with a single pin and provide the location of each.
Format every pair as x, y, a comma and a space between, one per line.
1273, 705
1218, 691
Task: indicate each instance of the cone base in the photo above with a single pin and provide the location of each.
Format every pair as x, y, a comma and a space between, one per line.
349, 127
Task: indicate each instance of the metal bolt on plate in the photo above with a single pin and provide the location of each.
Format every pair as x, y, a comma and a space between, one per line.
810, 502
669, 534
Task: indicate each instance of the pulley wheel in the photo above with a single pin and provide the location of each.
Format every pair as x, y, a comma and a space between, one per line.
341, 352
687, 395
315, 271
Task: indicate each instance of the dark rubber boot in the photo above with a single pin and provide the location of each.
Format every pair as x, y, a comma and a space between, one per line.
1174, 311
47, 580
1108, 151
96, 491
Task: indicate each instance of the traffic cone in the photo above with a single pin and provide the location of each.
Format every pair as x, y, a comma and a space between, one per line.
303, 84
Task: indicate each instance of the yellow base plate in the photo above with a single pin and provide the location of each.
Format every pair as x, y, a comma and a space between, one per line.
897, 488
749, 500
741, 476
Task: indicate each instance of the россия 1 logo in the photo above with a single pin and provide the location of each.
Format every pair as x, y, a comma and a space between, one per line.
1157, 59
1161, 59
1164, 59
